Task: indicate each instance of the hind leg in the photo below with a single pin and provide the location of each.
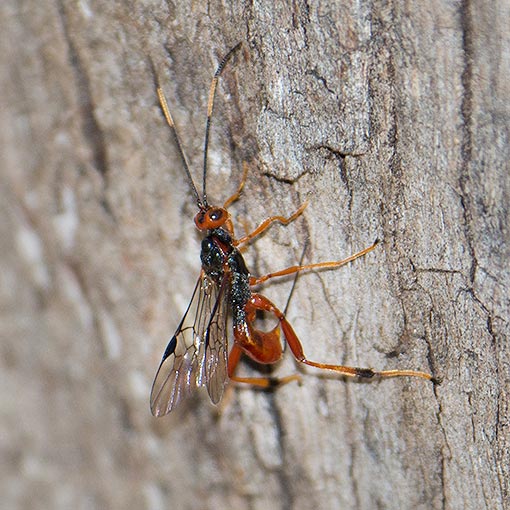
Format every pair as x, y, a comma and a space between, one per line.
260, 302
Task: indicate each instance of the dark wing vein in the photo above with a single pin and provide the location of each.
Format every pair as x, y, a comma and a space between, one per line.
216, 345
185, 364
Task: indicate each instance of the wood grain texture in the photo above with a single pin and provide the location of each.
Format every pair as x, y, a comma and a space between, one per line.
391, 118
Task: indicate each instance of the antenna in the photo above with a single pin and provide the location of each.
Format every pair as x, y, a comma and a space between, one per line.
201, 202
170, 121
210, 107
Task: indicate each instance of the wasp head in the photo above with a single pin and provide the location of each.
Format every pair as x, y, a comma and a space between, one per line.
211, 218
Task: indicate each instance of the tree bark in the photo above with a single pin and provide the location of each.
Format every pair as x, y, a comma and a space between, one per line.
390, 118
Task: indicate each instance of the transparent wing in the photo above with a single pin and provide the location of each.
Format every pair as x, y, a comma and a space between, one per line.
216, 346
193, 356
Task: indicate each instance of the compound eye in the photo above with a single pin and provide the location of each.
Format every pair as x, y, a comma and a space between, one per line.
216, 215
200, 220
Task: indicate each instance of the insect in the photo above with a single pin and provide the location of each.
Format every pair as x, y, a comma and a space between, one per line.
197, 354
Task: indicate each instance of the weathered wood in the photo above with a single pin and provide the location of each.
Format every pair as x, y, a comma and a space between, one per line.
392, 119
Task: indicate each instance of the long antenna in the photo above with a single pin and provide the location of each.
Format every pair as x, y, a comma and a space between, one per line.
210, 107
170, 121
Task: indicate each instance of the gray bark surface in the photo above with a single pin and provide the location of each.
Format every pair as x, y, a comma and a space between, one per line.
390, 118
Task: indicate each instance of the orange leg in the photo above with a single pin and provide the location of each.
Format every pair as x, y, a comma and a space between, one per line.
237, 194
234, 197
266, 223
262, 303
320, 265
260, 382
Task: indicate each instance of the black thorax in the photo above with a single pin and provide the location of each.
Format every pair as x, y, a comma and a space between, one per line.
218, 256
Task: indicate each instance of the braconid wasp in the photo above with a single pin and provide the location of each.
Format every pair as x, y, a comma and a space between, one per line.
197, 355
